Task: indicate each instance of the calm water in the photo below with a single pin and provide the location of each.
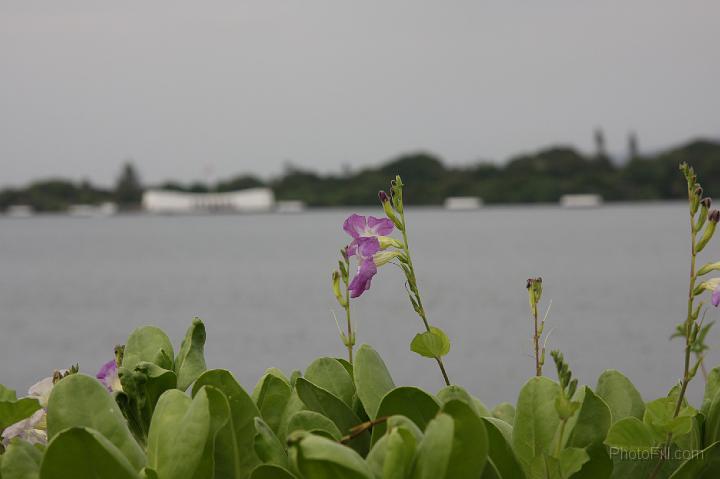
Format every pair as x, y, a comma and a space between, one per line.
71, 288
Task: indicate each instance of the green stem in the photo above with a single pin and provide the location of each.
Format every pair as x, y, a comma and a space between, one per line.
350, 338
558, 446
688, 330
536, 340
421, 313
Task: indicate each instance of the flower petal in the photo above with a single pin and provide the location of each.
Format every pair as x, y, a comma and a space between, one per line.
716, 296
355, 225
31, 429
41, 390
379, 226
367, 247
361, 282
108, 375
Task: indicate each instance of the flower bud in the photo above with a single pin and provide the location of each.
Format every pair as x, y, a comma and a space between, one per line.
705, 206
388, 208
385, 257
383, 197
388, 242
336, 289
695, 200
119, 354
708, 268
713, 218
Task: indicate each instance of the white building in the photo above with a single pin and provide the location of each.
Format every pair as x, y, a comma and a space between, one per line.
245, 201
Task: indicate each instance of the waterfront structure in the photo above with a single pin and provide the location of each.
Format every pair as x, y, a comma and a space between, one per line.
244, 201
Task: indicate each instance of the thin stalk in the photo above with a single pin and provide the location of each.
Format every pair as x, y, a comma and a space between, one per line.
688, 346
536, 340
558, 446
421, 313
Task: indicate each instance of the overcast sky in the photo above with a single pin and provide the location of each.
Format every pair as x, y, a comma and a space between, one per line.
207, 89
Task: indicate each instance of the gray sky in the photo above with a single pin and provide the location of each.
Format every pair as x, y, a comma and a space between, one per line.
193, 89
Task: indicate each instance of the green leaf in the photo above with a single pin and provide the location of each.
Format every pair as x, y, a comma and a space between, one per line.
571, 460
620, 395
272, 396
712, 421
703, 465
190, 361
320, 458
504, 411
631, 434
536, 420
21, 460
314, 422
433, 454
81, 401
659, 415
470, 441
500, 452
712, 386
234, 451
267, 446
592, 423
452, 392
392, 456
142, 388
413, 403
83, 453
372, 379
322, 401
271, 471
329, 374
148, 344
183, 431
7, 394
431, 344
16, 410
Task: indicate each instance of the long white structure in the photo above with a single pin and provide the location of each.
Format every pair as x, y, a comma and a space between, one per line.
245, 201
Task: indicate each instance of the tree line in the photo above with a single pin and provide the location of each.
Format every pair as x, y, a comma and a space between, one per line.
542, 176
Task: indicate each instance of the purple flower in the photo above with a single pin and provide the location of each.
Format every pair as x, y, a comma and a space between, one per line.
716, 296
32, 429
108, 375
359, 226
361, 282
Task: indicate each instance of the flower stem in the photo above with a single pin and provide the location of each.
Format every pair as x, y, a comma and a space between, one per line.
687, 377
413, 287
536, 340
350, 335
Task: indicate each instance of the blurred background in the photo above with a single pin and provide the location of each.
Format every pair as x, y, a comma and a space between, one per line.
170, 159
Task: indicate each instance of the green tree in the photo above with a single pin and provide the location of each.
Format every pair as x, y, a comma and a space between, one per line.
128, 189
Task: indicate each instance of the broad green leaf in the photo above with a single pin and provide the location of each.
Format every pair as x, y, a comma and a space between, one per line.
273, 394
500, 452
267, 446
504, 411
659, 415
83, 453
433, 454
142, 387
81, 401
470, 441
571, 460
7, 394
411, 402
620, 395
294, 405
329, 374
392, 456
372, 379
190, 361
148, 343
452, 392
631, 434
183, 432
320, 458
234, 451
16, 410
21, 461
536, 420
592, 423
314, 422
704, 464
398, 420
599, 465
712, 386
271, 471
431, 344
712, 420
322, 401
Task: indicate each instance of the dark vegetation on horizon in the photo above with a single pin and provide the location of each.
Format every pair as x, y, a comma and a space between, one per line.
543, 176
